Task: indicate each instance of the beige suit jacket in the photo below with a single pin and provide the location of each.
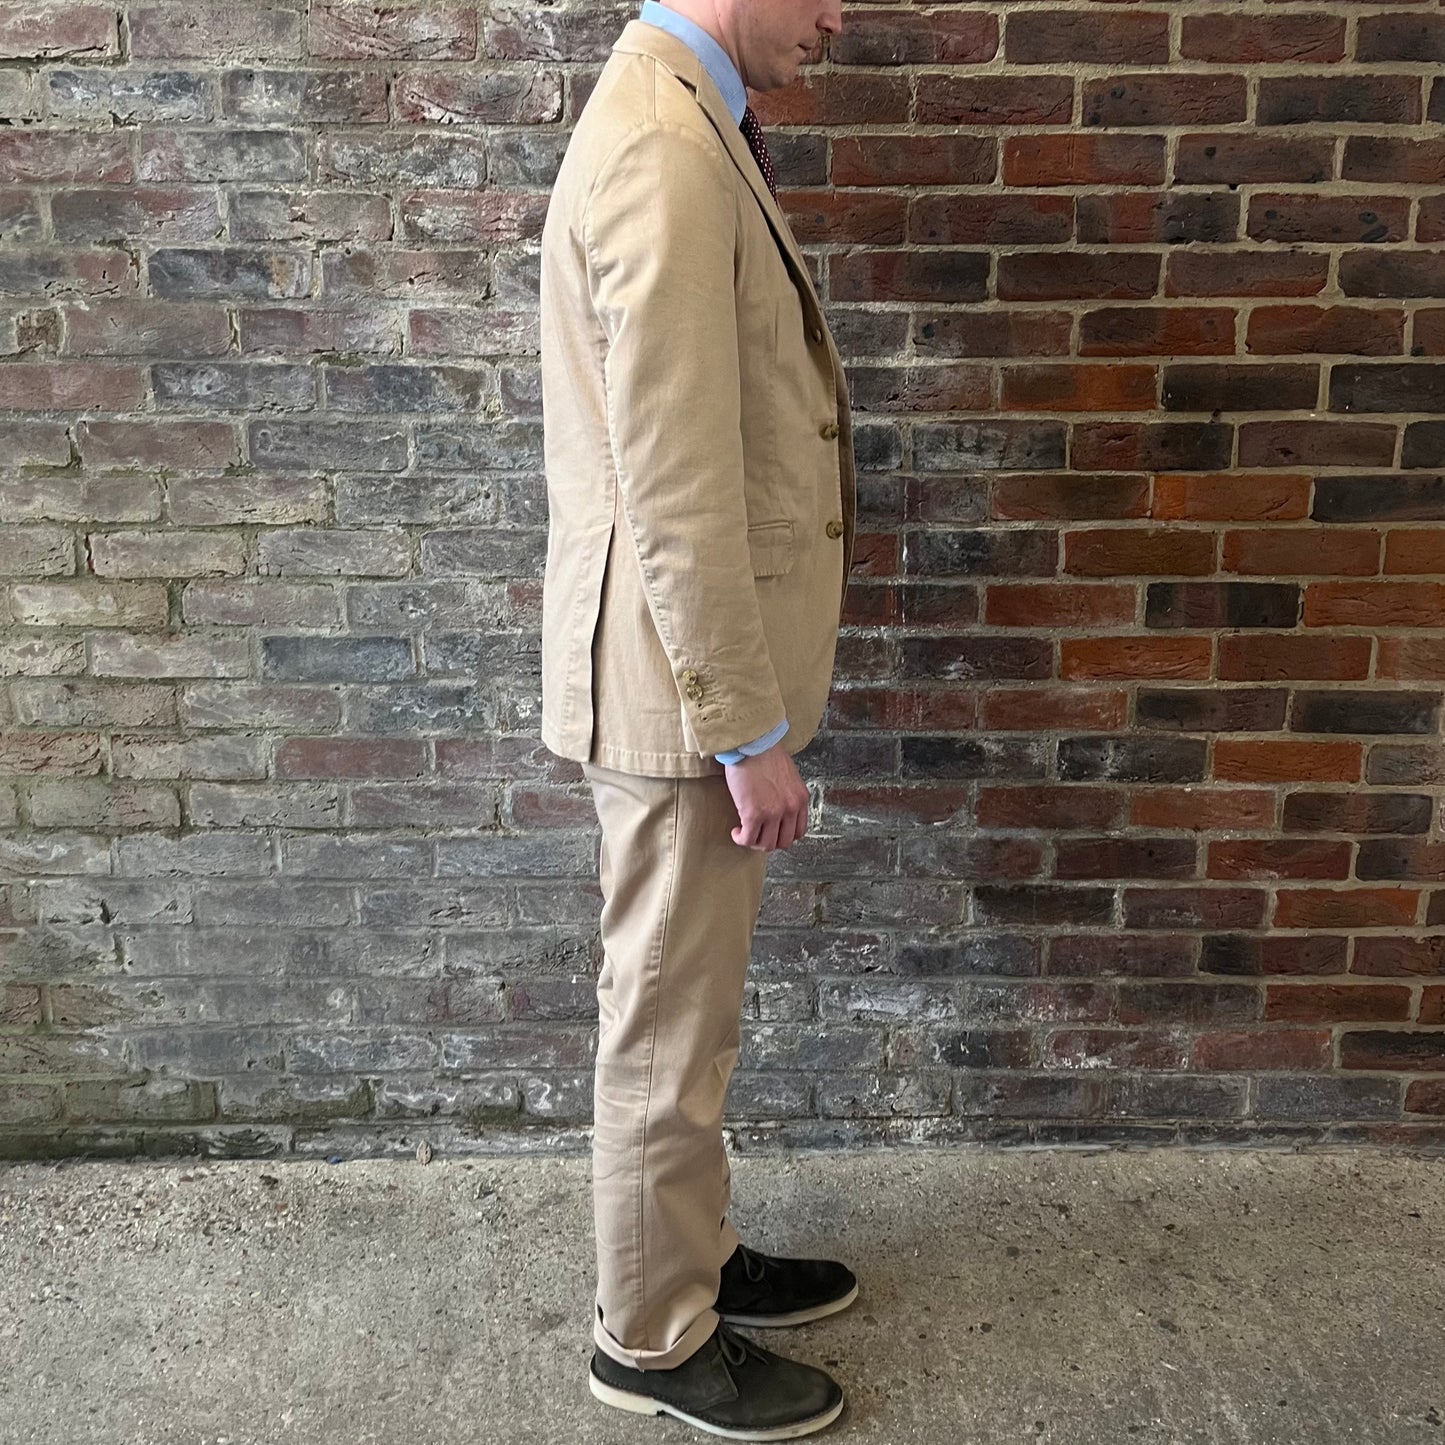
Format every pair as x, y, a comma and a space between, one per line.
698, 445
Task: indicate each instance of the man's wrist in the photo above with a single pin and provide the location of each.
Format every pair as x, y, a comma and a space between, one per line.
751, 749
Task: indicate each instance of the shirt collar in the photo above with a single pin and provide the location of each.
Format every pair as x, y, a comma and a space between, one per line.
714, 58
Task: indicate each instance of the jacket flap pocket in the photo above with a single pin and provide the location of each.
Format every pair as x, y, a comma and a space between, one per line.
770, 544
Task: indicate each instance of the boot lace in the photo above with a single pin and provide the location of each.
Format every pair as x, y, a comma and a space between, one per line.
736, 1348
753, 1264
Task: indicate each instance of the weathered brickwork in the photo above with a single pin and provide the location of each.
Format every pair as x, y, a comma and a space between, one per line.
1128, 804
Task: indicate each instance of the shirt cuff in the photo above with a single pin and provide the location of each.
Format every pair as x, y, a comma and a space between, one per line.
752, 749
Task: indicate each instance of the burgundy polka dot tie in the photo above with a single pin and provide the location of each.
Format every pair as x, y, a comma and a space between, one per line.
753, 134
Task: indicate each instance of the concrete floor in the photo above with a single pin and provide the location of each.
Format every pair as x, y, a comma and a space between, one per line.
1156, 1297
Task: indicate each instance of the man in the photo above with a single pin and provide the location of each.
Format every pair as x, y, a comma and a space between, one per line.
701, 495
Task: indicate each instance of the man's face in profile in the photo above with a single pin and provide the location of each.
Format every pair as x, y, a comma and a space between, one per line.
775, 37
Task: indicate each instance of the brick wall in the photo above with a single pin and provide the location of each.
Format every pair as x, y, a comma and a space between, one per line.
1128, 820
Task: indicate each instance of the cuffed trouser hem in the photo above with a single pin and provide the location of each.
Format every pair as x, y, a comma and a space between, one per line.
693, 1339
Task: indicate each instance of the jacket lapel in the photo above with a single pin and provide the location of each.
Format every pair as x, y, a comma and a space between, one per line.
641, 39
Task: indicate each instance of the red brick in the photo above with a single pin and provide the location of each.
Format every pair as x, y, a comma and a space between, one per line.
903, 709
48, 32
1254, 39
1316, 443
1073, 159
975, 220
1425, 1096
1036, 709
1131, 657
350, 758
1070, 37
1202, 809
893, 38
1430, 222
1294, 217
1428, 332
1084, 497
929, 276
1058, 605
994, 100
1138, 552
1393, 1049
1375, 604
73, 386
1232, 159
1432, 1005
1157, 331
1054, 806
1267, 657
1395, 159
1411, 657
1241, 760
1337, 1003
1246, 273
1396, 957
845, 217
1067, 276
1345, 907
1194, 908
1347, 330
1167, 99
1302, 552
1416, 551
1150, 446
1243, 497
1096, 388
836, 98
1266, 858
147, 445
914, 160
1262, 1049
63, 158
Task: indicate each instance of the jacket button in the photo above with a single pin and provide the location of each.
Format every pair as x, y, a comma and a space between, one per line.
829, 431
834, 530
818, 335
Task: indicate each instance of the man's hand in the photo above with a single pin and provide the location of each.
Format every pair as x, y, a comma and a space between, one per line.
771, 799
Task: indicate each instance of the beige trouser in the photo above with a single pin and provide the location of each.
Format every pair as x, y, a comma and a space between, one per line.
679, 903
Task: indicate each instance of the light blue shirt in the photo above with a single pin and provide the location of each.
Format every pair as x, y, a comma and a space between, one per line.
724, 73
715, 59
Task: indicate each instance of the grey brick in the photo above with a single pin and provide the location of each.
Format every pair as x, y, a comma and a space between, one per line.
103, 804
328, 552
232, 386
336, 659
417, 708
313, 446
229, 273
804, 1047
126, 96
255, 805
873, 1095
221, 155
65, 703
517, 1046
331, 95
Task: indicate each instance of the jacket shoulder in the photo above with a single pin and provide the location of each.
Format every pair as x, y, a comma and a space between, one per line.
638, 104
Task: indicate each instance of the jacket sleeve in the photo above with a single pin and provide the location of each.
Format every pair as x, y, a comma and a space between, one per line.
660, 233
